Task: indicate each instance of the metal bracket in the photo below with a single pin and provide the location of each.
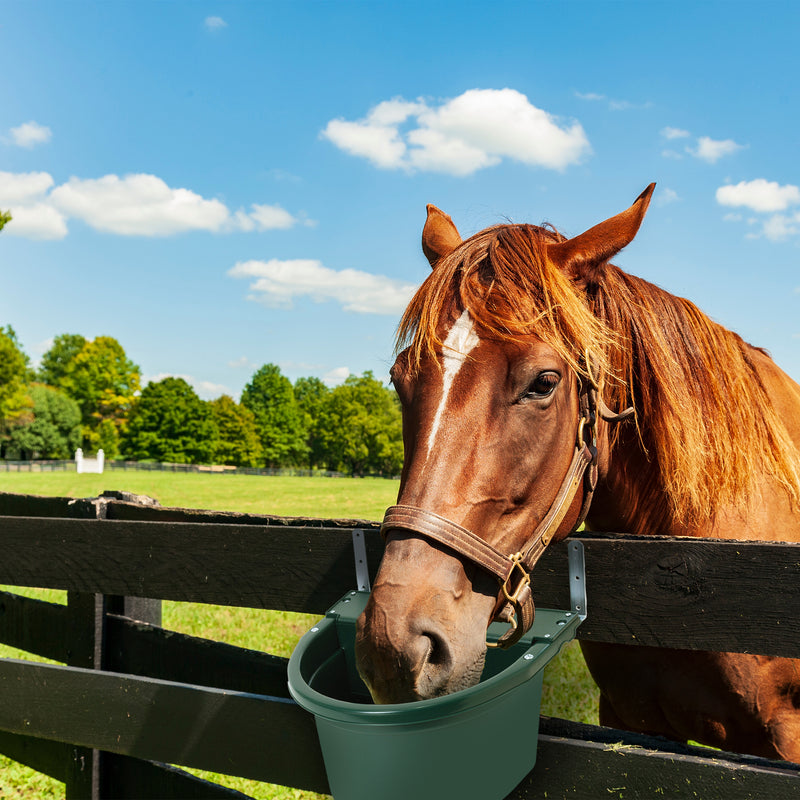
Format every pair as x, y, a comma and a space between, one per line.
577, 579
360, 555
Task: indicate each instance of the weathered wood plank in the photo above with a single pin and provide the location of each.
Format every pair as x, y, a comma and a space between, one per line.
253, 736
585, 763
35, 626
283, 568
141, 649
44, 756
684, 593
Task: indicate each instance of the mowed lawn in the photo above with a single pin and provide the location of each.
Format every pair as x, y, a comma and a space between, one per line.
568, 689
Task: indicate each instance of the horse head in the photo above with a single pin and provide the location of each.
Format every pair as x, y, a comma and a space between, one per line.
493, 388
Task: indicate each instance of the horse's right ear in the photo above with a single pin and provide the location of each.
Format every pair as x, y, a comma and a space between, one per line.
439, 236
582, 256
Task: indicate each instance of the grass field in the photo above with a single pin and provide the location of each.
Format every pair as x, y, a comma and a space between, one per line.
568, 689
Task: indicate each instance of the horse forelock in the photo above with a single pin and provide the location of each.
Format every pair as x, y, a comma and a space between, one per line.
503, 278
706, 423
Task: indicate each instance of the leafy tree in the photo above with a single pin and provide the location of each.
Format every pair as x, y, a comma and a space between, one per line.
5, 218
169, 422
15, 404
103, 381
279, 422
57, 360
361, 427
53, 429
237, 443
312, 395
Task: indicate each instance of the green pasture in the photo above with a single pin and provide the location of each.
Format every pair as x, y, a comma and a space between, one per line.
568, 689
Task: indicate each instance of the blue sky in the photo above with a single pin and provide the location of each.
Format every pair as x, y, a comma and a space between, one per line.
219, 185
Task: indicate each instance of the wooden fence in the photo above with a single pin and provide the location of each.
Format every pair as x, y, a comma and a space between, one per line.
131, 697
117, 465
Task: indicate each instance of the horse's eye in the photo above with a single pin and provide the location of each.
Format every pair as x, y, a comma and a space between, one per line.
543, 385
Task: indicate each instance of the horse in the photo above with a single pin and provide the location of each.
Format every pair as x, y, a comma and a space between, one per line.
541, 385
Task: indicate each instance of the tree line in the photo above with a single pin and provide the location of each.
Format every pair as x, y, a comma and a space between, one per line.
87, 393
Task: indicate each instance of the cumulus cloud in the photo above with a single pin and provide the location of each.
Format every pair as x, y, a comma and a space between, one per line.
712, 150
765, 197
29, 134
759, 195
705, 148
215, 23
25, 194
475, 130
133, 205
138, 205
277, 283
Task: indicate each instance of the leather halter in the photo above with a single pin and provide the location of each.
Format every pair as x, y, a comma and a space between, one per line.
515, 600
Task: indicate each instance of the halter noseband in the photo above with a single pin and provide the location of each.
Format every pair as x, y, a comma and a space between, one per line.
515, 600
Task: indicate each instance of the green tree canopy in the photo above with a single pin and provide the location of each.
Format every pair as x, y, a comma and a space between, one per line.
279, 422
53, 429
57, 360
237, 441
14, 375
361, 427
312, 395
169, 422
5, 218
103, 381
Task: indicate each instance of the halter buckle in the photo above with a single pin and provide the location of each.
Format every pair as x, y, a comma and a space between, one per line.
524, 580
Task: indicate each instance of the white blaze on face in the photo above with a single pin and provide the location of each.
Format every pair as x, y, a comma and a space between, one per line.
459, 342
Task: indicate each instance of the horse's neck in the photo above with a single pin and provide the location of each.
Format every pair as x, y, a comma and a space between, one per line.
630, 497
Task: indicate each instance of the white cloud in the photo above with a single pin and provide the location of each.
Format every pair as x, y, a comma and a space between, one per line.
765, 197
277, 283
215, 23
268, 218
206, 390
133, 205
712, 150
706, 149
780, 226
29, 134
336, 376
23, 187
674, 133
37, 221
759, 195
475, 130
138, 205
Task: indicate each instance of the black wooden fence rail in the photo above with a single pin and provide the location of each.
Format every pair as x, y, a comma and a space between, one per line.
133, 697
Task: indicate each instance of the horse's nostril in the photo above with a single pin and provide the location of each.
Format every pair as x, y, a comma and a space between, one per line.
439, 653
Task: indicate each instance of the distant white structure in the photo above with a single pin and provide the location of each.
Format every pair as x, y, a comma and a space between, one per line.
89, 464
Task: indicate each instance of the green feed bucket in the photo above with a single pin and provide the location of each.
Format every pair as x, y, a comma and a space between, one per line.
475, 744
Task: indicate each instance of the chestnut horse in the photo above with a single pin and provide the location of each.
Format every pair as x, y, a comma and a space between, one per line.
501, 342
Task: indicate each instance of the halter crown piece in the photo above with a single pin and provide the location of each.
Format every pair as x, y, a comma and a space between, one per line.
515, 599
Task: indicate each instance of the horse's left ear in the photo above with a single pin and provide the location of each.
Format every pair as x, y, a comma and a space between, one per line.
581, 256
439, 236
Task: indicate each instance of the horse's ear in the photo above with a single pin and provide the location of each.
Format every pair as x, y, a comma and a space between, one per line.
581, 256
439, 236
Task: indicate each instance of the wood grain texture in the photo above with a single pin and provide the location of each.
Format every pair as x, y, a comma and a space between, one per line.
258, 737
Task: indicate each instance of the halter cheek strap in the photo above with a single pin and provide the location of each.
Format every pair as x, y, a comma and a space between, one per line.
515, 599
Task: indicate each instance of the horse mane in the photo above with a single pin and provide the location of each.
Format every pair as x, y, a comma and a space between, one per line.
706, 425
